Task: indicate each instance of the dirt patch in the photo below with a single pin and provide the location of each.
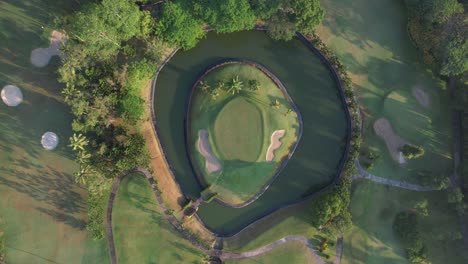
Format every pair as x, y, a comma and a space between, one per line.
383, 129
422, 97
275, 144
212, 164
171, 192
40, 57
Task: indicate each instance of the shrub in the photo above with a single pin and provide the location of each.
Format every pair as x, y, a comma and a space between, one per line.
412, 151
406, 227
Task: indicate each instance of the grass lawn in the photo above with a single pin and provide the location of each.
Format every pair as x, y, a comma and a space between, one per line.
240, 127
141, 233
372, 240
293, 252
371, 39
292, 221
43, 210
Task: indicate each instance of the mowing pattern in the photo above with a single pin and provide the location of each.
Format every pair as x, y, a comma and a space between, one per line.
238, 131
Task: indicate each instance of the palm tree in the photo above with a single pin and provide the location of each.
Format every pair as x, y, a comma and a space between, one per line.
220, 85
204, 86
78, 142
214, 93
275, 103
235, 85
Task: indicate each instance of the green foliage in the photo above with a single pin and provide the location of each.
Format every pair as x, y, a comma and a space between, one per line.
264, 9
455, 196
436, 181
225, 16
280, 27
456, 54
178, 26
101, 28
440, 11
330, 205
254, 85
96, 215
307, 15
235, 85
438, 29
406, 227
131, 107
412, 151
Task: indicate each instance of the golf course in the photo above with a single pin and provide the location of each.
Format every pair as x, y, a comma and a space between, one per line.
246, 142
233, 131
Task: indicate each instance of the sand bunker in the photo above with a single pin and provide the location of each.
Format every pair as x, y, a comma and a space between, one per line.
383, 129
422, 97
275, 144
212, 164
40, 57
49, 140
12, 95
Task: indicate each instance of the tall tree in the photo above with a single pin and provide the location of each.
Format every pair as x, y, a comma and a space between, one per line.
178, 26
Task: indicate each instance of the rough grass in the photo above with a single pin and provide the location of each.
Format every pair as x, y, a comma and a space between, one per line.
372, 239
240, 128
238, 131
142, 234
385, 68
44, 212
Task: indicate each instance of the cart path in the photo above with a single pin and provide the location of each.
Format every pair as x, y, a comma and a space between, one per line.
177, 226
271, 246
363, 174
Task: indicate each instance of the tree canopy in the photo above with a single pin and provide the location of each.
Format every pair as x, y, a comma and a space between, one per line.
178, 26
225, 16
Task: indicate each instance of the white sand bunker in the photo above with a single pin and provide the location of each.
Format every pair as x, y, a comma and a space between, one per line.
212, 164
395, 143
49, 140
422, 97
275, 144
40, 57
12, 95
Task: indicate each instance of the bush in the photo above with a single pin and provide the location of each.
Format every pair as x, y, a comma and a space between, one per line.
412, 151
406, 227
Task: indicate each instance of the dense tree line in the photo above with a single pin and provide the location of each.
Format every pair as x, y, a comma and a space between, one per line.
111, 51
439, 28
183, 22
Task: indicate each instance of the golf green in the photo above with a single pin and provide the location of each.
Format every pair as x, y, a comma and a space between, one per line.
238, 131
241, 127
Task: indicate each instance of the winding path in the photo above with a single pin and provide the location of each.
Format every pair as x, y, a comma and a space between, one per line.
269, 247
177, 226
363, 174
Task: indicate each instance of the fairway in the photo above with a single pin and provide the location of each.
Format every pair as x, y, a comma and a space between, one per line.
239, 127
238, 131
141, 233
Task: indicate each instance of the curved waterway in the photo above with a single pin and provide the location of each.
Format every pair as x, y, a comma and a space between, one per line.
310, 84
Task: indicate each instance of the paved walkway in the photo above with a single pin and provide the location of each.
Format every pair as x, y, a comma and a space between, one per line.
269, 247
177, 226
363, 174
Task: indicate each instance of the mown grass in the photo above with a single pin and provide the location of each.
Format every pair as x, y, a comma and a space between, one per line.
141, 233
372, 239
293, 252
372, 41
43, 210
240, 128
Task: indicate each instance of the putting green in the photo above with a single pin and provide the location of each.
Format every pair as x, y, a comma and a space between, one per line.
238, 131
232, 159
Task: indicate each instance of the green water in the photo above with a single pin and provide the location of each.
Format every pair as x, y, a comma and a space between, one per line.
309, 83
